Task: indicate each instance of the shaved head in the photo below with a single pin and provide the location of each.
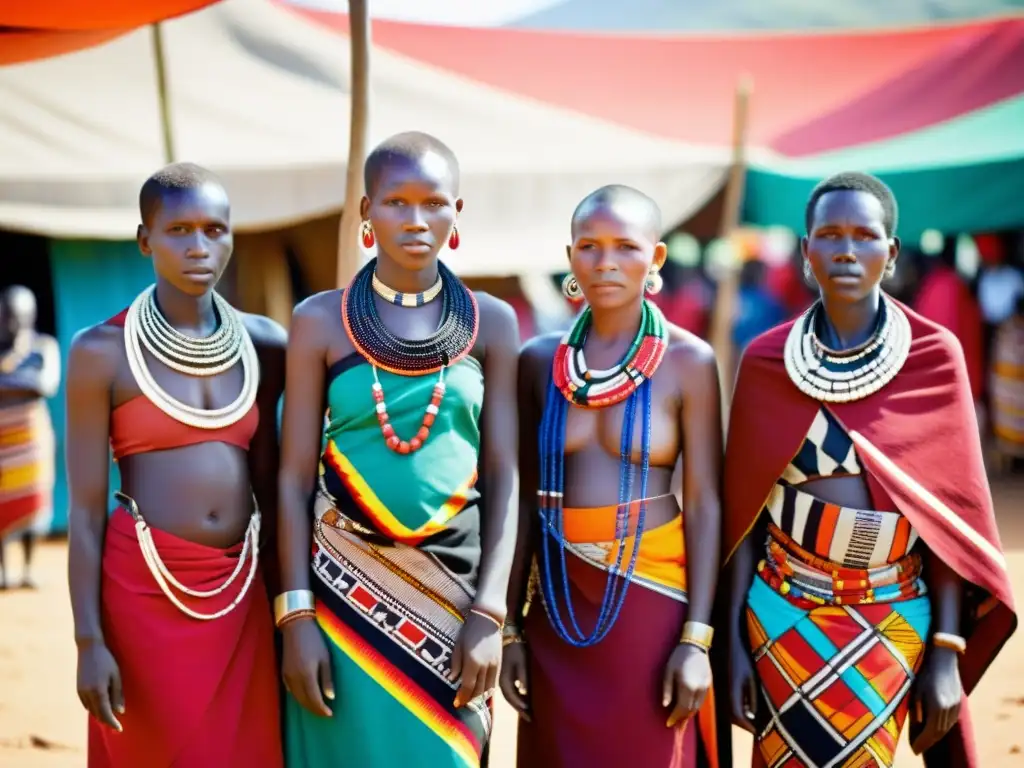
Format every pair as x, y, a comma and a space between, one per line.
172, 180
628, 204
411, 148
17, 308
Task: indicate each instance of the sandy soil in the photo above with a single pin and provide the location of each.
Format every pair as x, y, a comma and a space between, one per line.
43, 726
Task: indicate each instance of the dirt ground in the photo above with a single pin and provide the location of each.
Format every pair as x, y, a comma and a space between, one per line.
42, 724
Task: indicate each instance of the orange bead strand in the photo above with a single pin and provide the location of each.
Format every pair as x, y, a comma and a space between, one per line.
393, 441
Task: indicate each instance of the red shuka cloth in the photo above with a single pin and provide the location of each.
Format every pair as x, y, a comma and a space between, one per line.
202, 694
918, 440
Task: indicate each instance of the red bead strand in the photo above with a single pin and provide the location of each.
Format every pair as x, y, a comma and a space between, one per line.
393, 441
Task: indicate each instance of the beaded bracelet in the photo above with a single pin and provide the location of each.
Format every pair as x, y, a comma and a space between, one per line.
697, 634
291, 602
950, 641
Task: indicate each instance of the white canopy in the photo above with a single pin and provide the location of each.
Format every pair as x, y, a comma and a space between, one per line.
260, 95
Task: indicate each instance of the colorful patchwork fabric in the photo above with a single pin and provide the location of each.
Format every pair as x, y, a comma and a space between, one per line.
835, 679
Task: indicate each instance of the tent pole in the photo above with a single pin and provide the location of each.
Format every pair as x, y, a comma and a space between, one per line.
348, 234
728, 283
161, 87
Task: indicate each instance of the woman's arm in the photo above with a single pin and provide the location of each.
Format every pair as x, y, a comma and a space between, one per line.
939, 690
264, 455
701, 425
688, 677
514, 665
305, 662
91, 368
499, 454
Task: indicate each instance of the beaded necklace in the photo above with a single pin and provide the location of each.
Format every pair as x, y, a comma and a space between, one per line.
146, 328
599, 388
551, 495
453, 340
834, 376
571, 382
407, 299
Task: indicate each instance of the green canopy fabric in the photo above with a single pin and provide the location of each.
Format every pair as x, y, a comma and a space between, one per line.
961, 175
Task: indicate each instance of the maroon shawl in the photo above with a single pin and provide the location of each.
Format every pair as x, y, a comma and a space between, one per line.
918, 440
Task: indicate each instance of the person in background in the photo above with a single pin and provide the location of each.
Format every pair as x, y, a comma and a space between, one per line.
757, 309
944, 298
1007, 388
29, 373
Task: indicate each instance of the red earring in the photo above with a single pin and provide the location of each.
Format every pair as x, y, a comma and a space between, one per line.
368, 238
453, 241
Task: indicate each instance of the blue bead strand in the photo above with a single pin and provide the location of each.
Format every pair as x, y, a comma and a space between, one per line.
552, 469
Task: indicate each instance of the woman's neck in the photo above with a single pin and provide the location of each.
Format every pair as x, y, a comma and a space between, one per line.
404, 280
610, 325
848, 325
185, 312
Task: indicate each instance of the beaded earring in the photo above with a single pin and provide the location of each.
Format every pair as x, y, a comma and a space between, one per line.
808, 275
571, 288
654, 282
368, 238
890, 269
453, 241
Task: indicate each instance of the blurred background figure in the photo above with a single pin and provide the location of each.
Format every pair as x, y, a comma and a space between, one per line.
29, 373
1007, 389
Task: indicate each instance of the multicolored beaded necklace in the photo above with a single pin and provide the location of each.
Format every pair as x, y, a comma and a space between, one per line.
596, 389
834, 376
651, 342
453, 340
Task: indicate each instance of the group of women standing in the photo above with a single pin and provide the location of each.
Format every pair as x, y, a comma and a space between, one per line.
467, 507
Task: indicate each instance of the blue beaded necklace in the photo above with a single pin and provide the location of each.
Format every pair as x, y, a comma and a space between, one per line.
552, 484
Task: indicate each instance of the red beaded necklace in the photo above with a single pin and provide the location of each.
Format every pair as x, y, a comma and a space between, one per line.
393, 441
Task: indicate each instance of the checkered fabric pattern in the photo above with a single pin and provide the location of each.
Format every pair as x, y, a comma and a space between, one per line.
836, 679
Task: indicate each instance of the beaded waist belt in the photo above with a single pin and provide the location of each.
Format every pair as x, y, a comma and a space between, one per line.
806, 579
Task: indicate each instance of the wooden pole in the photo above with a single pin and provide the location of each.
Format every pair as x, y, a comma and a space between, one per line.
161, 87
348, 231
728, 280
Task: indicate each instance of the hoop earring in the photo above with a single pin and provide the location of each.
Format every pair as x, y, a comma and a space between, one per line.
571, 288
654, 282
453, 240
368, 238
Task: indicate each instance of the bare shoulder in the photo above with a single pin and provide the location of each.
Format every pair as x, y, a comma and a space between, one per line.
95, 353
537, 354
498, 321
688, 353
264, 332
316, 317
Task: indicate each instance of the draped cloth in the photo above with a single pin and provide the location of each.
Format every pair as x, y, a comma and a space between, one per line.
600, 706
918, 441
202, 694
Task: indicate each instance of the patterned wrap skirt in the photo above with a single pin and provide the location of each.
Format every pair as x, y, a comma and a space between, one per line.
836, 650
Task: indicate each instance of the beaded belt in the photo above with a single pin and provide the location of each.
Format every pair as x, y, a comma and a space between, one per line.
804, 578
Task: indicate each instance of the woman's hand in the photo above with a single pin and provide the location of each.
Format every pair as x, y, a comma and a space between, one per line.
306, 666
743, 693
686, 683
937, 695
515, 666
99, 684
476, 658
